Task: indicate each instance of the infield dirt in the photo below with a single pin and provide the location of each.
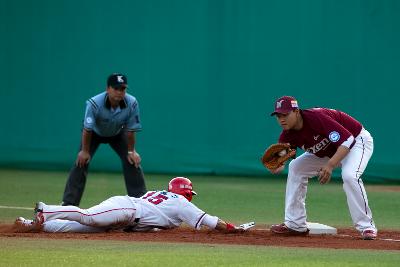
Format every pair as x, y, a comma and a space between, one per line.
345, 239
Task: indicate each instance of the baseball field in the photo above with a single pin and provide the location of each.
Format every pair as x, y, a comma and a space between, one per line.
235, 199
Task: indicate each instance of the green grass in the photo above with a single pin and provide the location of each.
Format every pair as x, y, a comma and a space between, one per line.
236, 199
36, 252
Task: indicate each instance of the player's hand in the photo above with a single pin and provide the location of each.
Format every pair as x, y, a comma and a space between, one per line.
134, 158
82, 159
247, 226
325, 173
231, 228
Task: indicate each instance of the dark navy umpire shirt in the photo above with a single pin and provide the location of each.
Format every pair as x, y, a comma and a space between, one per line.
106, 121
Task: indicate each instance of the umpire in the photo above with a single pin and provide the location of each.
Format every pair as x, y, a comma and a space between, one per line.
111, 117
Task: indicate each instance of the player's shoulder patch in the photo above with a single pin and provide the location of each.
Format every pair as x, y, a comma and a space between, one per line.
334, 136
89, 120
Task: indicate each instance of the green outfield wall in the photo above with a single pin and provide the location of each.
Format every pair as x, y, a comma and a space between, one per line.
205, 73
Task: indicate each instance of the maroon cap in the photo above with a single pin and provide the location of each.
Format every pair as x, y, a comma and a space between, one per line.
284, 105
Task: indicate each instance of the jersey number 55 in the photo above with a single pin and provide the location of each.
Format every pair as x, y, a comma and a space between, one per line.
155, 199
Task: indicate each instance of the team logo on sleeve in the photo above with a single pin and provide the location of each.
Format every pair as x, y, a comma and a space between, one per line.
89, 120
334, 136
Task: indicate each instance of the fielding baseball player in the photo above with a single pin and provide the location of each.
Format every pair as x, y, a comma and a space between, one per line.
156, 209
330, 139
111, 117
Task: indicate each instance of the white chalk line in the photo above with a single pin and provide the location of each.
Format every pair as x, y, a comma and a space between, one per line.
15, 208
383, 239
388, 239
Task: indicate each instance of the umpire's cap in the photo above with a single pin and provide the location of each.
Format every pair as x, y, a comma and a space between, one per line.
117, 80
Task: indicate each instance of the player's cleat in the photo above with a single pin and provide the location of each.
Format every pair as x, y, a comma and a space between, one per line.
21, 221
282, 229
369, 235
22, 225
38, 215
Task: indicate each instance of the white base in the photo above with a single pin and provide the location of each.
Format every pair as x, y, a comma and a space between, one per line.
321, 229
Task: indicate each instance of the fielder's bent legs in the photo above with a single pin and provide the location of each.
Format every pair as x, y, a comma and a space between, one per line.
353, 167
300, 170
115, 211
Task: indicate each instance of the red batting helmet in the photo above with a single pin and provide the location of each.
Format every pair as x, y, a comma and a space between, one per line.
182, 186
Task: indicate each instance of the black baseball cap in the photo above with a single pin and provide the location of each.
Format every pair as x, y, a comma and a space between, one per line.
117, 80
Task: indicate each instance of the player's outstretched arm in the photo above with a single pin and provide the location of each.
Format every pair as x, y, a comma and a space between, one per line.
227, 227
231, 228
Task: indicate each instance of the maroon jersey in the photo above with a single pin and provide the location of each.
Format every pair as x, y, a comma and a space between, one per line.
324, 130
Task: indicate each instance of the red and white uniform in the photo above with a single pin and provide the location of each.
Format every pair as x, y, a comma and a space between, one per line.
324, 130
156, 209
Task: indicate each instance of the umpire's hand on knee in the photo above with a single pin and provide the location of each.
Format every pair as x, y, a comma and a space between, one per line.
134, 158
82, 159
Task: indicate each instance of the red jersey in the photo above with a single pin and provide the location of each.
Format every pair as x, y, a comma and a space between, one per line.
324, 130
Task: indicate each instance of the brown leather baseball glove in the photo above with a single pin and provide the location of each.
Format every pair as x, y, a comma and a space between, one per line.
276, 155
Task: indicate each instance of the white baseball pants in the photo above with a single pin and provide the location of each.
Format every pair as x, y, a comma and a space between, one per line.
353, 165
114, 212
65, 226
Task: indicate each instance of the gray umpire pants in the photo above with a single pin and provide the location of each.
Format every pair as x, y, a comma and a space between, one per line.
134, 178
